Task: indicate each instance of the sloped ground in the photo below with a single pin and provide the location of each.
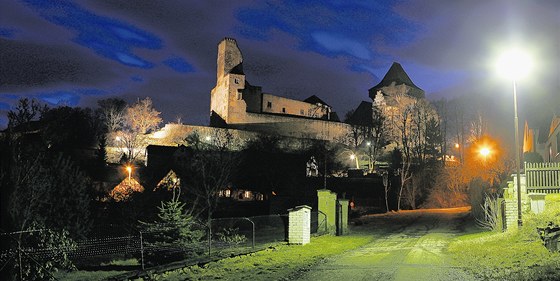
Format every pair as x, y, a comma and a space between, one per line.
409, 245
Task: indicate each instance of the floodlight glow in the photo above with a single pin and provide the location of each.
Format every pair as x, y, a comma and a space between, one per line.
129, 170
514, 64
485, 151
352, 156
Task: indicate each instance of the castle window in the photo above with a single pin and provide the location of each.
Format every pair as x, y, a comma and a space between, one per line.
283, 109
302, 112
236, 80
269, 105
239, 95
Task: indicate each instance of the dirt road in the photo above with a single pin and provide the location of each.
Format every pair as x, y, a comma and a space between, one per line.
408, 245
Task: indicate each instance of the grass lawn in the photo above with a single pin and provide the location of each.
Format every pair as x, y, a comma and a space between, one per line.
117, 267
274, 263
513, 255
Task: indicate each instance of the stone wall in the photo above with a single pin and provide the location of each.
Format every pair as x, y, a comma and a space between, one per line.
294, 127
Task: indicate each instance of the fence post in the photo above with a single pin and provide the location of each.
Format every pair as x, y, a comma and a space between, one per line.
142, 250
19, 254
209, 238
253, 223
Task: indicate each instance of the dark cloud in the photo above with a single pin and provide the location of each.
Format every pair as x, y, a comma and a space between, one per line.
26, 65
335, 50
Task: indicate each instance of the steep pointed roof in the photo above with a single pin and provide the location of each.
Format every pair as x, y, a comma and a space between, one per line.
362, 116
315, 100
395, 74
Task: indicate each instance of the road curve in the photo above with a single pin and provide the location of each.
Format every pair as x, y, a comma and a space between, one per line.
408, 245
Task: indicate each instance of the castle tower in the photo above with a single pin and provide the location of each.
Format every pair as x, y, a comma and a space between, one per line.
396, 82
230, 58
225, 98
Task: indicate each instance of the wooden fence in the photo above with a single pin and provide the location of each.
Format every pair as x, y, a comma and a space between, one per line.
543, 177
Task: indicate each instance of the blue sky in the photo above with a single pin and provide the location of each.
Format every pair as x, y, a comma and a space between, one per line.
76, 52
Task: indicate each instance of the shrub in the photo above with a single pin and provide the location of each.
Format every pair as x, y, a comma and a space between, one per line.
231, 236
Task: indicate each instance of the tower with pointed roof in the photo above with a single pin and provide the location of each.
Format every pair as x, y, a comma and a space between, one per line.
396, 82
395, 92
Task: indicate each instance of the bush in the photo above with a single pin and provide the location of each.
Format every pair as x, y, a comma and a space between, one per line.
231, 236
52, 256
175, 235
484, 205
449, 189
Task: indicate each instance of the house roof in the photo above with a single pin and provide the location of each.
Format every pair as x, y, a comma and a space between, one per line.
362, 115
315, 100
161, 149
395, 74
553, 124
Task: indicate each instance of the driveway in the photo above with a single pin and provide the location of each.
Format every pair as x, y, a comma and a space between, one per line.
409, 245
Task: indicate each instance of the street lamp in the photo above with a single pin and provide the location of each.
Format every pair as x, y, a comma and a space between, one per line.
514, 65
355, 158
129, 170
485, 151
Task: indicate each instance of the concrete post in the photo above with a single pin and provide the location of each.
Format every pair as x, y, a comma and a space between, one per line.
511, 214
299, 225
537, 202
327, 205
342, 217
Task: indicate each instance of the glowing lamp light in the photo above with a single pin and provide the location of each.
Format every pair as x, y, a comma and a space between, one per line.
352, 156
514, 64
208, 138
368, 143
129, 170
456, 145
485, 151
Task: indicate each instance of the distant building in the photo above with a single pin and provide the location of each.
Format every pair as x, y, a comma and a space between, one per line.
392, 95
546, 144
236, 104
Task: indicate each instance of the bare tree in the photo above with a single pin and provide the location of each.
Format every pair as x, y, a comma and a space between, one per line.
112, 113
208, 170
140, 118
25, 112
419, 136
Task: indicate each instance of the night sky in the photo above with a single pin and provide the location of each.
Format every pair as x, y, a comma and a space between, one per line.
76, 52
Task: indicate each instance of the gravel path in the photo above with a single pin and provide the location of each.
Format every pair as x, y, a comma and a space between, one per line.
409, 245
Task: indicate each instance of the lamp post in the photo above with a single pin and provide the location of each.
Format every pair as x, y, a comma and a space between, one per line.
517, 158
515, 64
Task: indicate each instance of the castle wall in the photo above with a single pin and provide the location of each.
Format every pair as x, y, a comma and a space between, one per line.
280, 105
294, 126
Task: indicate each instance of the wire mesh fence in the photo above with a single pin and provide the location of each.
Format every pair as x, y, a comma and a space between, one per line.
26, 250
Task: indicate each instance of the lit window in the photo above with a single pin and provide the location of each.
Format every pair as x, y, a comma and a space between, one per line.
247, 194
227, 193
